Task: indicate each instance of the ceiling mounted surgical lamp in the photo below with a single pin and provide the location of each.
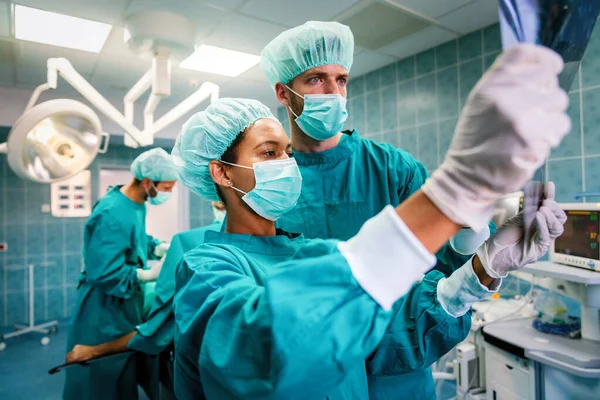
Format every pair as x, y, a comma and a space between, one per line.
54, 140
57, 139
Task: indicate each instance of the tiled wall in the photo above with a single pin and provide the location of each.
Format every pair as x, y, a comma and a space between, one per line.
53, 245
414, 104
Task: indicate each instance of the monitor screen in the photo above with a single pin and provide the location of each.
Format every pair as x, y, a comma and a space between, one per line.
580, 238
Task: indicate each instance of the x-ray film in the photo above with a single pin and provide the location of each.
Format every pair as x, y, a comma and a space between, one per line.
564, 26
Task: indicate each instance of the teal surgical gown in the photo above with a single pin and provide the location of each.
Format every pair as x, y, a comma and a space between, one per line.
341, 189
109, 298
283, 318
158, 330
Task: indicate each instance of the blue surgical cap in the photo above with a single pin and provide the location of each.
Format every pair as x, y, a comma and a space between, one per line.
156, 165
304, 47
207, 135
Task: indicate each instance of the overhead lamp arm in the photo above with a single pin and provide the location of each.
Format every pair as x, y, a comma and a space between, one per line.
158, 78
208, 89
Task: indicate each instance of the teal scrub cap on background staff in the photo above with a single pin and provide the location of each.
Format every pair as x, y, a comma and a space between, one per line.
207, 135
156, 165
304, 47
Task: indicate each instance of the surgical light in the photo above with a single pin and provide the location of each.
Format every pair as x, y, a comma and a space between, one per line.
54, 140
59, 30
216, 60
57, 139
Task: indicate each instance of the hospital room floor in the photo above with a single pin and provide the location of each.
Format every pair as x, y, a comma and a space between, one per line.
25, 363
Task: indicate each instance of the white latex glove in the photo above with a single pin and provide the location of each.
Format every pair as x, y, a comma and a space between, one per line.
513, 117
507, 250
148, 275
161, 249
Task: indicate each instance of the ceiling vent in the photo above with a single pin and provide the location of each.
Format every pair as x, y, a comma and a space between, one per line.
379, 24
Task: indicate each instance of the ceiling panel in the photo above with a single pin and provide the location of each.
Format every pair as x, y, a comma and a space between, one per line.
119, 72
420, 41
223, 4
107, 11
472, 17
115, 43
368, 61
31, 61
37, 54
245, 34
293, 12
431, 8
205, 18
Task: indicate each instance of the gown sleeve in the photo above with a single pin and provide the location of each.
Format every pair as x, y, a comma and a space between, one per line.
449, 260
152, 243
105, 263
427, 323
301, 330
157, 332
420, 333
410, 176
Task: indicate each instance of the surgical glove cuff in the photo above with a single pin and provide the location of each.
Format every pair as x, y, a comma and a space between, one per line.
146, 275
161, 249
486, 255
457, 293
466, 241
386, 258
453, 197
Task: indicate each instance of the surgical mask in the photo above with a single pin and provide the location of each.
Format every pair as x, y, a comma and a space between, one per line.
160, 197
277, 189
323, 115
467, 241
219, 214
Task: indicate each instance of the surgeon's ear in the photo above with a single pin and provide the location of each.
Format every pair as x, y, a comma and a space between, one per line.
146, 184
282, 94
219, 173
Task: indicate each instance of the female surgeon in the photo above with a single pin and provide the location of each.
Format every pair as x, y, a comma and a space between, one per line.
268, 314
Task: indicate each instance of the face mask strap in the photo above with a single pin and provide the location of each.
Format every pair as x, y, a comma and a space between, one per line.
293, 112
241, 191
302, 97
235, 165
293, 91
148, 191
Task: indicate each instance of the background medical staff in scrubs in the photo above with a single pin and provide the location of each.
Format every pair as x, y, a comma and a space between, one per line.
110, 299
157, 331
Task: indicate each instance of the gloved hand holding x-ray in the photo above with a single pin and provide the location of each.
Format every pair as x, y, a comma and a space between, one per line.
564, 26
508, 249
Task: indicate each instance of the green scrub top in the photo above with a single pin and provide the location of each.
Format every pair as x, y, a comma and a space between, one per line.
158, 330
109, 298
341, 189
283, 318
